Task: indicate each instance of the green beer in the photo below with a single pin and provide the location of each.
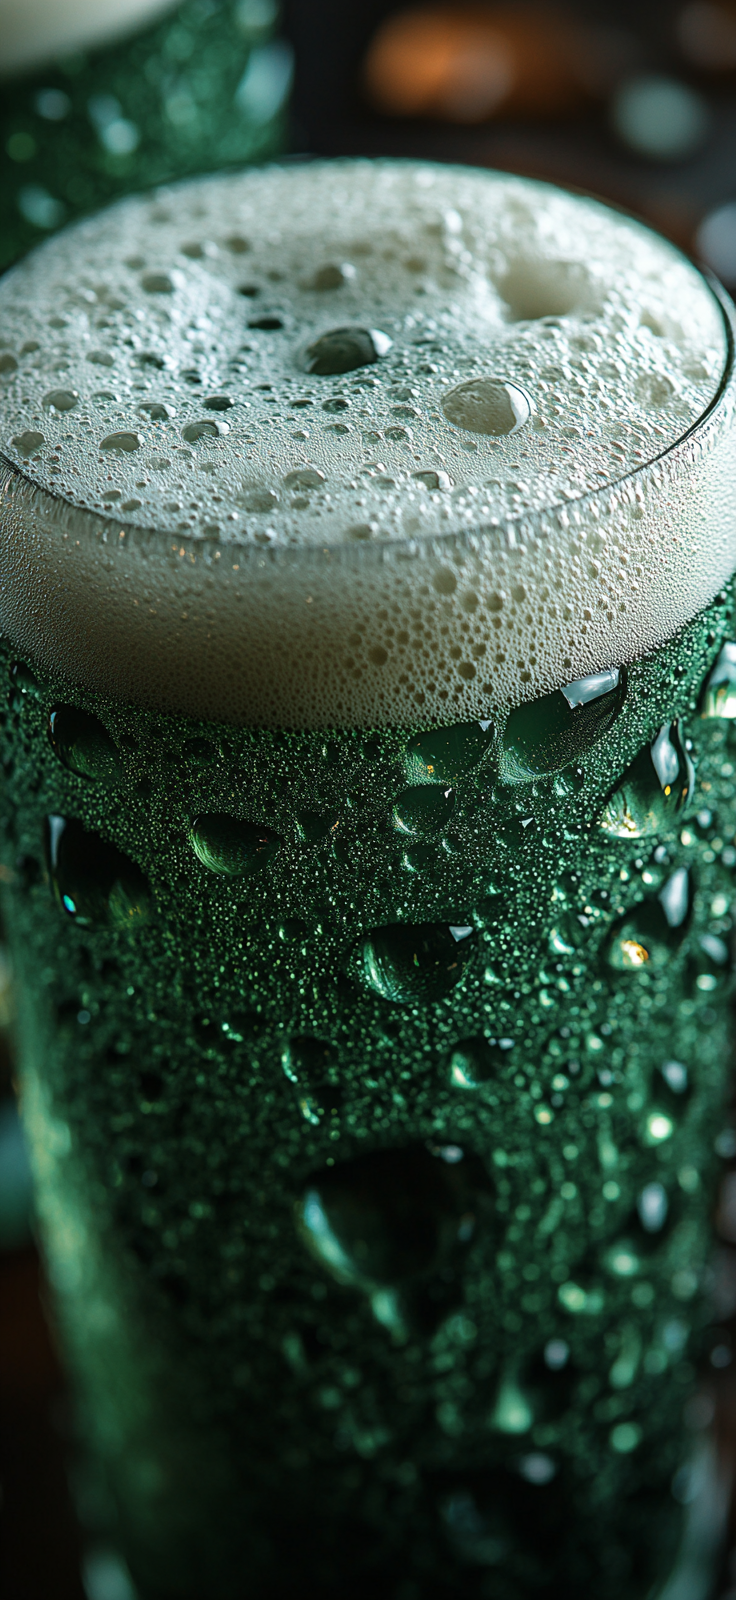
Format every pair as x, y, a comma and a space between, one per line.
368, 851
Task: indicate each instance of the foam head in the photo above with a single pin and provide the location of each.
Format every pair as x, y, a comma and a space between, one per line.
359, 443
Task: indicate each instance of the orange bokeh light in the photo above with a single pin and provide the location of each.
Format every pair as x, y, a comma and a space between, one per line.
466, 64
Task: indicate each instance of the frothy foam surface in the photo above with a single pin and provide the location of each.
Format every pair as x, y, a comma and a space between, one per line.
358, 443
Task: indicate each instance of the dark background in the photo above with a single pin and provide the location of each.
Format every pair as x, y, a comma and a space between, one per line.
676, 167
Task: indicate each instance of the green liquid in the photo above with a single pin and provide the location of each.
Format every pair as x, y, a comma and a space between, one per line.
373, 1087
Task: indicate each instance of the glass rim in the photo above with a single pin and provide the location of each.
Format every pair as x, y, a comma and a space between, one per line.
294, 555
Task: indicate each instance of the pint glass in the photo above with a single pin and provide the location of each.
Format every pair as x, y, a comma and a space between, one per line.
368, 841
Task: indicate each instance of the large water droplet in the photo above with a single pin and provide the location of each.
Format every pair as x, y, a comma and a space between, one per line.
444, 755
719, 694
94, 882
546, 735
228, 845
646, 938
194, 431
83, 745
653, 791
487, 405
27, 443
332, 276
123, 442
476, 1061
24, 682
423, 810
392, 1218
404, 963
343, 350
306, 1060
157, 410
61, 399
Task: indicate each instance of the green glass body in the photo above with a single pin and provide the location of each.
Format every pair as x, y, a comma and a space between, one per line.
373, 1081
200, 88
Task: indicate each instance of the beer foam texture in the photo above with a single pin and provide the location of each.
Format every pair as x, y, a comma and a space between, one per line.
193, 520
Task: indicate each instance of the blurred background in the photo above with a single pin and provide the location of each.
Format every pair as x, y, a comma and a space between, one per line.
635, 103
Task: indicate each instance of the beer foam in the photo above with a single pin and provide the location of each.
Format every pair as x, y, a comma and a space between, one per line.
500, 489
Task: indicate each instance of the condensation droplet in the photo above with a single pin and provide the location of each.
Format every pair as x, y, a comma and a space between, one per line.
443, 755
157, 283
157, 410
719, 694
488, 406
391, 1218
192, 432
28, 442
126, 443
332, 276
344, 350
548, 734
406, 963
476, 1061
424, 809
83, 745
655, 788
94, 882
230, 846
61, 399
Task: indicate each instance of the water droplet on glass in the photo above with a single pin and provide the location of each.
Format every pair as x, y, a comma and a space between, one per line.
556, 1354
406, 963
344, 350
652, 1207
83, 745
512, 1412
674, 897
332, 276
546, 735
267, 323
487, 405
339, 402
27, 443
719, 694
24, 682
124, 442
423, 810
201, 752
567, 935
61, 399
675, 1075
227, 845
157, 283
433, 480
644, 938
218, 402
393, 1218
258, 499
311, 827
304, 478
94, 882
476, 1061
306, 1060
157, 410
446, 754
653, 791
194, 431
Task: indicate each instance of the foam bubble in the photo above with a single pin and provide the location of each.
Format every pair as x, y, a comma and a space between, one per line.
420, 446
